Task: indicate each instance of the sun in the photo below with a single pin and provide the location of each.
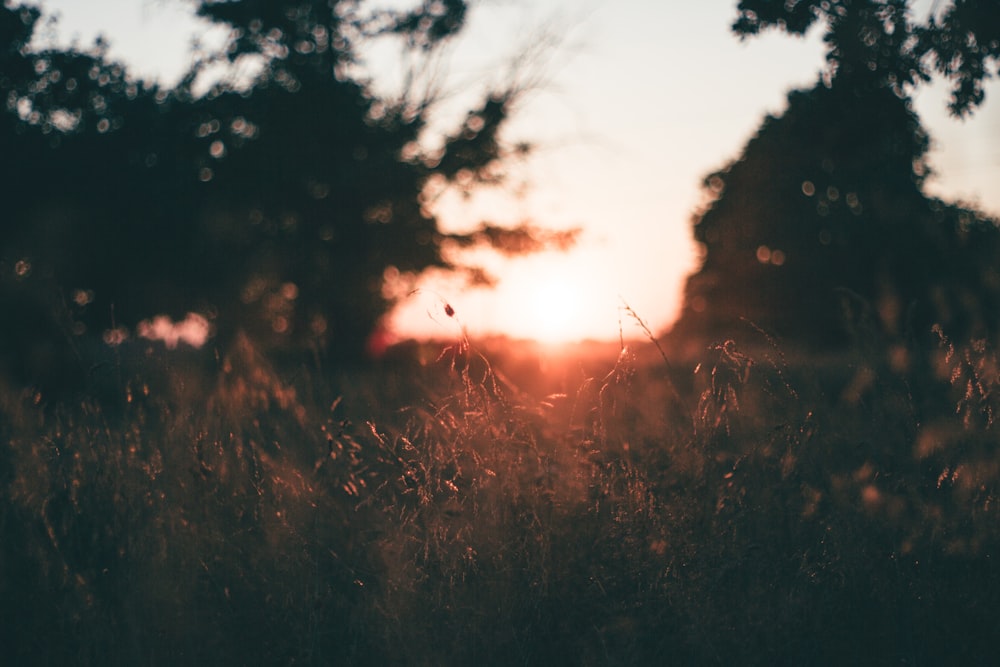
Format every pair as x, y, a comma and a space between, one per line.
557, 308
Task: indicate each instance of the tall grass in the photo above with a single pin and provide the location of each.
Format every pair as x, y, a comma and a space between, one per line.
738, 508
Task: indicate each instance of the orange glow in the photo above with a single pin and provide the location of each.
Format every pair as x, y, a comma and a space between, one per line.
631, 181
193, 330
552, 298
556, 312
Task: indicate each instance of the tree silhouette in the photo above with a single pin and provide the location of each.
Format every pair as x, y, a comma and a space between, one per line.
878, 38
964, 45
821, 227
274, 205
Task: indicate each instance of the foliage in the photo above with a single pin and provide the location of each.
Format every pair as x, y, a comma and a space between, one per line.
820, 231
274, 204
964, 43
822, 225
879, 39
453, 511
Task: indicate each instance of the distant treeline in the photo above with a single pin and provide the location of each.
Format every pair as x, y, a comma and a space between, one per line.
276, 206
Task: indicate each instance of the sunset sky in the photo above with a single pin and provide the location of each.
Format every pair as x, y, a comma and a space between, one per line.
640, 99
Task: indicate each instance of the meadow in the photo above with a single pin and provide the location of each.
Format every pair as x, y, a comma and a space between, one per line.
495, 503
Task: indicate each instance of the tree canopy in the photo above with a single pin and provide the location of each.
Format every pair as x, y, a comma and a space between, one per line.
277, 205
821, 227
881, 40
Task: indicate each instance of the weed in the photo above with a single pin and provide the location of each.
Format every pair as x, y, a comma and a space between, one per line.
754, 508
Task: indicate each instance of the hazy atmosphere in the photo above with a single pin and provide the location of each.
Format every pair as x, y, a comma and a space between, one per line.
636, 103
457, 332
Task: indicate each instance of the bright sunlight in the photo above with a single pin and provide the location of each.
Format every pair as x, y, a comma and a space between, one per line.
556, 311
551, 298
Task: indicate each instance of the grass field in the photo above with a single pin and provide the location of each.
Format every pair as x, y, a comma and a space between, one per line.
508, 504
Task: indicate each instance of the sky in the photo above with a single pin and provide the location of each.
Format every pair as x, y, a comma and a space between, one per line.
637, 100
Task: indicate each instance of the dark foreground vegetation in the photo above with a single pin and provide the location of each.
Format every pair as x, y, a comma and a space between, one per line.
507, 506
724, 498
